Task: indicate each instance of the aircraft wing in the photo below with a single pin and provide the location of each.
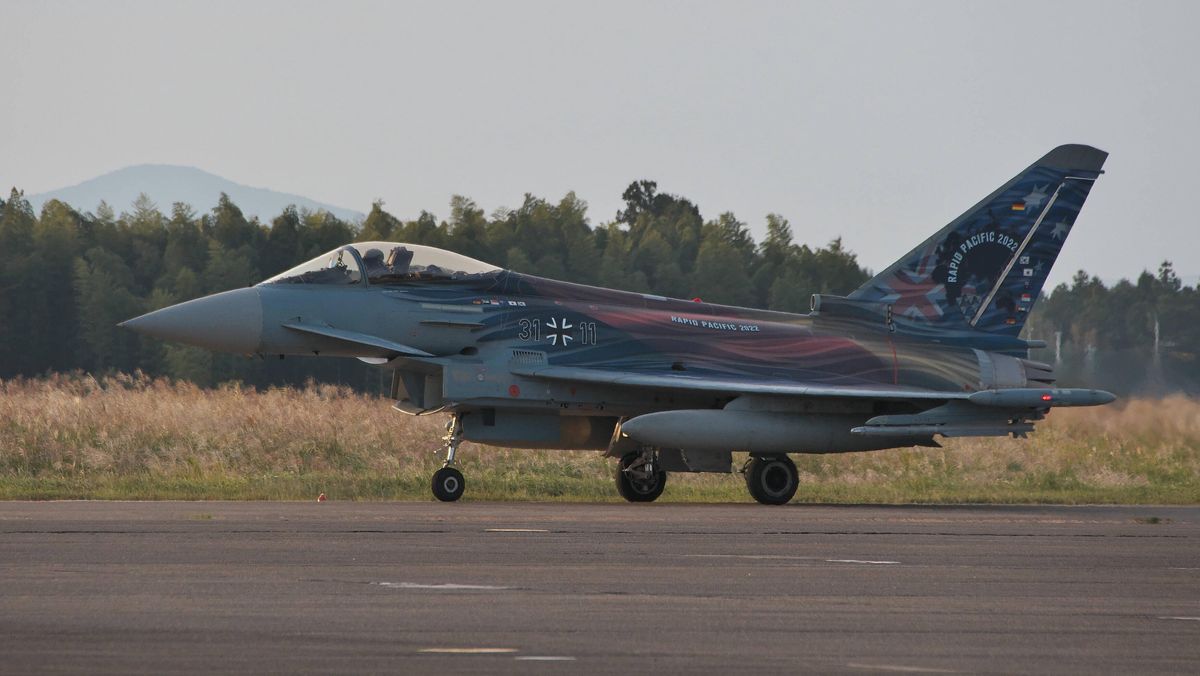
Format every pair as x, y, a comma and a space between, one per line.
718, 385
952, 414
1011, 398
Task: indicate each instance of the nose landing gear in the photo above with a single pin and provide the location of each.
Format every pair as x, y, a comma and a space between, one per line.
448, 482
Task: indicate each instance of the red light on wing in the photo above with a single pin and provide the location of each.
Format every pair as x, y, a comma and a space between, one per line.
1046, 397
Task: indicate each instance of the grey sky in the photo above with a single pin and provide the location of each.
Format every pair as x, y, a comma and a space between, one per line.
875, 121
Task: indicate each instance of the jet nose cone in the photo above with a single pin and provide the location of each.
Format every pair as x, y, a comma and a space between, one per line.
225, 322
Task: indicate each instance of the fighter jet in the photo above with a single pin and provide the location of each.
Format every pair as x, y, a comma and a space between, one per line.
930, 347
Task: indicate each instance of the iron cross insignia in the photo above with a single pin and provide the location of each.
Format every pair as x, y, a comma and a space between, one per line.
559, 331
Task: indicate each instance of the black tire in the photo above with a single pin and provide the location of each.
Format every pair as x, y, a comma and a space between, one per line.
448, 484
772, 480
638, 485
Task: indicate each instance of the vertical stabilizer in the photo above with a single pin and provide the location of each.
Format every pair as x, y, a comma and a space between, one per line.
985, 270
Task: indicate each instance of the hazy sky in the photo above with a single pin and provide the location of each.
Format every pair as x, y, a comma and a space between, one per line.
878, 122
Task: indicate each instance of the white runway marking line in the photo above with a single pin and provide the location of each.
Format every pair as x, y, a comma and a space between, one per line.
782, 557
1180, 617
516, 530
468, 651
545, 658
443, 586
901, 668
754, 557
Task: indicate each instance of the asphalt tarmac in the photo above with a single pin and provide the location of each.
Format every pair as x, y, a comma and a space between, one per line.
103, 587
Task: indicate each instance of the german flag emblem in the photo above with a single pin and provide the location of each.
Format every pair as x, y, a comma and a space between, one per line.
1018, 206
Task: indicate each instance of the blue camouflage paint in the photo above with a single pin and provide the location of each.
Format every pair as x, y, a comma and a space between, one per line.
985, 270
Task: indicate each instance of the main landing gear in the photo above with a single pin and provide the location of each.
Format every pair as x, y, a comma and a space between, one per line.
772, 479
448, 482
639, 477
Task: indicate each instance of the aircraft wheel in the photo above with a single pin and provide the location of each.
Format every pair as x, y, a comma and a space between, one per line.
638, 479
448, 484
772, 480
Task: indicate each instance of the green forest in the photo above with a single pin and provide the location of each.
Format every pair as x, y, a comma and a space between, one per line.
67, 277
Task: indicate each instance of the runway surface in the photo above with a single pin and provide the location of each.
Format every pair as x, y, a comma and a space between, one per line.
103, 587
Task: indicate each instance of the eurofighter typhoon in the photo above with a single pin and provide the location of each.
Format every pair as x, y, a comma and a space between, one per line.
929, 347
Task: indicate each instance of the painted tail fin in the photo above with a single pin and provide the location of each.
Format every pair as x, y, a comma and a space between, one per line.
985, 269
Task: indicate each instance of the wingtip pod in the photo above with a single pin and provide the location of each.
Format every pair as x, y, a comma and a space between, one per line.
1040, 398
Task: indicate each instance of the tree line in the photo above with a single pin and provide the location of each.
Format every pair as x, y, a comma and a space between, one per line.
1140, 336
67, 277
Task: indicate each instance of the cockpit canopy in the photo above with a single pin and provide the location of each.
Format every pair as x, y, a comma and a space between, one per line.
384, 263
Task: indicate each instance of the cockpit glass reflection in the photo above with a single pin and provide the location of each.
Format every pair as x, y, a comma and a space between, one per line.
335, 267
404, 263
384, 263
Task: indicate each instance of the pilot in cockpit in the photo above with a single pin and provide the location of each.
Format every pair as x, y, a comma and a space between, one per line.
373, 263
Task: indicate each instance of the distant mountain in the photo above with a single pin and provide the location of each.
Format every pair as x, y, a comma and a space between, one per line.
167, 184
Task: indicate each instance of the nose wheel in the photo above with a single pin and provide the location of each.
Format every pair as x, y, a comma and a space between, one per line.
448, 482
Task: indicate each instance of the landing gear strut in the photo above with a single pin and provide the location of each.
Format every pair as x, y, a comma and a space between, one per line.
448, 482
639, 478
772, 479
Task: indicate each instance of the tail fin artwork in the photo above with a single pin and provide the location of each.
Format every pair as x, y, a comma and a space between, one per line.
985, 270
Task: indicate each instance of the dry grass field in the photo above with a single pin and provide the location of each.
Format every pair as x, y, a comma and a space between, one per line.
136, 438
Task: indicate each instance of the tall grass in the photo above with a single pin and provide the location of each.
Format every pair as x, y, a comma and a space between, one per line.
131, 437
